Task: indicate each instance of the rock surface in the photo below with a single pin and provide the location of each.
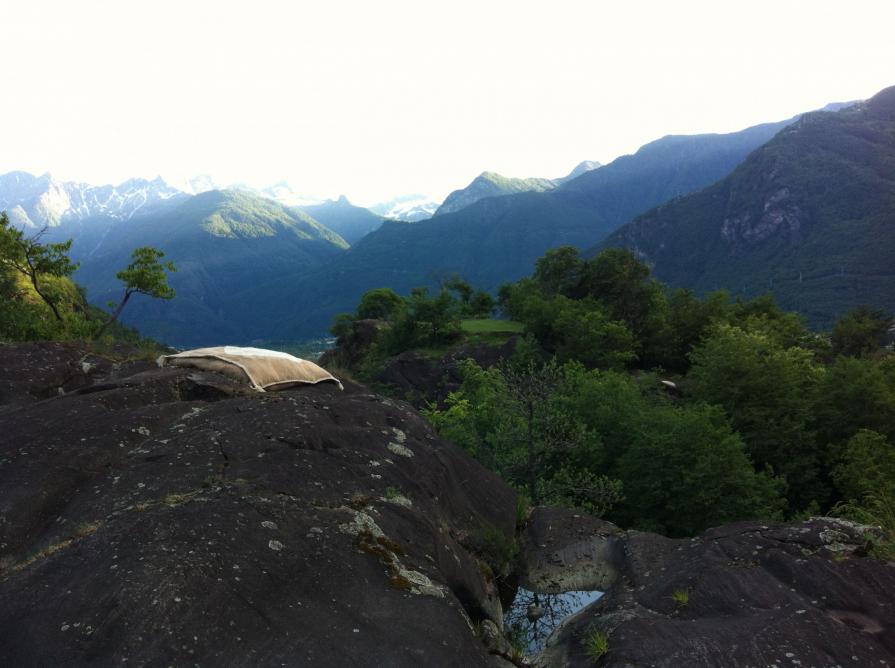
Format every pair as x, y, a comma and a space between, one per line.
168, 517
165, 517
567, 551
746, 594
422, 379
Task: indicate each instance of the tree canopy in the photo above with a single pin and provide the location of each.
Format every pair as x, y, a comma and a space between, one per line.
666, 410
39, 299
146, 275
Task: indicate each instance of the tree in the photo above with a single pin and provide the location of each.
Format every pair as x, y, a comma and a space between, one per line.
144, 275
531, 388
481, 305
559, 270
684, 470
511, 417
586, 334
424, 321
769, 393
867, 467
460, 286
861, 332
380, 304
865, 478
681, 466
35, 260
688, 318
622, 284
854, 394
473, 303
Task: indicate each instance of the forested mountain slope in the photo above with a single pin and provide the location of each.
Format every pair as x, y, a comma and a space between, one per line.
222, 243
809, 216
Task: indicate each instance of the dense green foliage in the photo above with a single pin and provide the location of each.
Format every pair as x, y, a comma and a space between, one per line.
39, 262
39, 301
865, 475
593, 440
667, 412
808, 216
861, 332
380, 303
423, 320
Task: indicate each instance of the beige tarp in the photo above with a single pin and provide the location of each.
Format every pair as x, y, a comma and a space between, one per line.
263, 369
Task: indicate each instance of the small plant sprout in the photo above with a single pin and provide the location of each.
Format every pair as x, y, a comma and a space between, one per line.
596, 643
681, 597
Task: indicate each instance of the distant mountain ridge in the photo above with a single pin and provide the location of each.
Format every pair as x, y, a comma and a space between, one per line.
350, 222
492, 184
498, 239
251, 269
579, 169
406, 208
38, 201
809, 216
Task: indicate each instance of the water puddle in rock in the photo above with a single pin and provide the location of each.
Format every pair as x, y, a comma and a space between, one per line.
533, 617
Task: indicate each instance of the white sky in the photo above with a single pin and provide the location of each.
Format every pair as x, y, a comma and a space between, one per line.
376, 98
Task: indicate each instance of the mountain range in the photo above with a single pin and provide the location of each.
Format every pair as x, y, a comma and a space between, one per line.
36, 201
809, 216
498, 239
798, 206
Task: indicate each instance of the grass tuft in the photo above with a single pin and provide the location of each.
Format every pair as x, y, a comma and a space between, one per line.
596, 643
681, 597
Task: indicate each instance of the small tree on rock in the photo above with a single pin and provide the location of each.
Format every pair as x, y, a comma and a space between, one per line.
145, 275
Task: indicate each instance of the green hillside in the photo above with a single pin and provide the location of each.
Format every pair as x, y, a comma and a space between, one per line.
350, 222
810, 216
223, 243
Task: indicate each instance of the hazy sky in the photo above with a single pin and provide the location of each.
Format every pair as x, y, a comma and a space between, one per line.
378, 97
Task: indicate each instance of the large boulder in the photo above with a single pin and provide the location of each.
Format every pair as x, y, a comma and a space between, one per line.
567, 551
746, 594
172, 517
175, 517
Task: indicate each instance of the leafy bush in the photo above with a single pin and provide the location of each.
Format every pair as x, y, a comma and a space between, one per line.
861, 332
769, 392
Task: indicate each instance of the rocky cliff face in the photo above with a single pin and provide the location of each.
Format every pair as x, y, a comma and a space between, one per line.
172, 517
807, 216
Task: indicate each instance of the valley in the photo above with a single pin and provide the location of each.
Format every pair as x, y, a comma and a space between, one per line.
400, 334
